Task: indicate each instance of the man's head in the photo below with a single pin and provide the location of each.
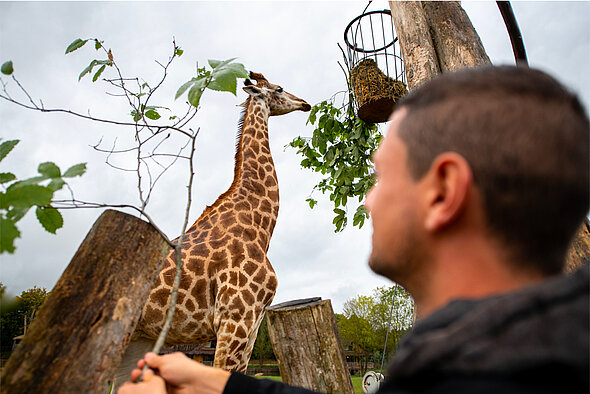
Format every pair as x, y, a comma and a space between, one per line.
525, 142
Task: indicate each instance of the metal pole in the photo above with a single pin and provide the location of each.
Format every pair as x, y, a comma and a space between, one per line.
513, 32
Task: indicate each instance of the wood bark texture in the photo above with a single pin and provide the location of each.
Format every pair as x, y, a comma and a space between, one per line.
307, 344
418, 52
456, 42
83, 328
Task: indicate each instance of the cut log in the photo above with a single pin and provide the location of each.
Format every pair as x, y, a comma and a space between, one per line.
411, 27
306, 341
81, 331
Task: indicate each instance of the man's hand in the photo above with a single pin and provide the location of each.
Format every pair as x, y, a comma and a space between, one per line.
181, 375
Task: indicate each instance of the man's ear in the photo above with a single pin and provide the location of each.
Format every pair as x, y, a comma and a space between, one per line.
252, 90
448, 190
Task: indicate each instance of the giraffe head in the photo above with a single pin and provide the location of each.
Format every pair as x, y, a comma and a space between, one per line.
278, 101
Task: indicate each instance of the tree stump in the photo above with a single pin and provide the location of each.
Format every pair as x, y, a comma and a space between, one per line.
82, 330
305, 339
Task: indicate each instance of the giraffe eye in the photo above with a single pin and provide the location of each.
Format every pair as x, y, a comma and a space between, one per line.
279, 90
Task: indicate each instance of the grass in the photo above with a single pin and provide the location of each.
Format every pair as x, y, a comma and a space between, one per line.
356, 382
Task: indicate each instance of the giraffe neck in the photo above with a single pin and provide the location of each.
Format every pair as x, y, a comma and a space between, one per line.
255, 177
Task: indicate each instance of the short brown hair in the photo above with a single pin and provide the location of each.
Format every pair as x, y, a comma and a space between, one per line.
526, 139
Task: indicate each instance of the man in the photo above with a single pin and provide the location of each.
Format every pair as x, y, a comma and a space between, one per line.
483, 179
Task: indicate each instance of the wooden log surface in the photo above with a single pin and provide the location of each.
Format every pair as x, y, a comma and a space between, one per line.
411, 27
81, 331
305, 339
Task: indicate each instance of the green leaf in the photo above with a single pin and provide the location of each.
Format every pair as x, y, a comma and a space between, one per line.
220, 63
312, 202
56, 184
50, 219
6, 177
152, 114
6, 147
178, 52
26, 196
224, 82
92, 64
136, 115
8, 233
7, 68
76, 44
75, 170
49, 170
16, 214
194, 95
97, 75
97, 44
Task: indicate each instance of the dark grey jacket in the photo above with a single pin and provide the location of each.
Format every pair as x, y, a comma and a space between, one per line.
535, 340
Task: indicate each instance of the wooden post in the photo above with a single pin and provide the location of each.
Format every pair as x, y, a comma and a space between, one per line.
83, 328
305, 339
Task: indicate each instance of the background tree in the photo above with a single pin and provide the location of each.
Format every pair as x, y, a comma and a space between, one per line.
262, 347
368, 321
18, 313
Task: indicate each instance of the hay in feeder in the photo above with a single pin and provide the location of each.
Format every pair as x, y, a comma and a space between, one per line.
375, 92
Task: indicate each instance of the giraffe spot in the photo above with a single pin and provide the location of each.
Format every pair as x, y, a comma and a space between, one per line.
232, 348
242, 280
263, 160
260, 296
233, 278
271, 182
268, 167
254, 287
256, 188
152, 315
218, 243
192, 326
190, 305
168, 276
265, 222
200, 250
236, 231
230, 362
261, 173
237, 304
248, 316
243, 206
272, 283
198, 292
250, 268
158, 282
236, 315
160, 297
269, 295
205, 224
195, 266
223, 277
235, 248
241, 333
273, 195
227, 219
250, 234
266, 151
230, 327
255, 147
185, 281
257, 218
254, 252
248, 297
245, 218
260, 276
179, 316
180, 296
265, 206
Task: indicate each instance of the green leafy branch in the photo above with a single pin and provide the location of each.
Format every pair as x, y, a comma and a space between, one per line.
341, 147
19, 196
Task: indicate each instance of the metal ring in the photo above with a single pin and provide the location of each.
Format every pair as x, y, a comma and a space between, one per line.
362, 50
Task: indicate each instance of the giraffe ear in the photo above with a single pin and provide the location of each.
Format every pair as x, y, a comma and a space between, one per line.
252, 90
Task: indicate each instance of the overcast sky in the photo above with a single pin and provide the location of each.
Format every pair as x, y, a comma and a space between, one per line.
293, 44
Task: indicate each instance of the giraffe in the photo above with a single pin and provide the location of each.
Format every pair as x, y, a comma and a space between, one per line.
227, 280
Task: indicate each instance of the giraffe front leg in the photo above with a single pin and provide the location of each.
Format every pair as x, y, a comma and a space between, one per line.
232, 343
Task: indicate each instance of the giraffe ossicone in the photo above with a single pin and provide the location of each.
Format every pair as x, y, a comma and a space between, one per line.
227, 280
